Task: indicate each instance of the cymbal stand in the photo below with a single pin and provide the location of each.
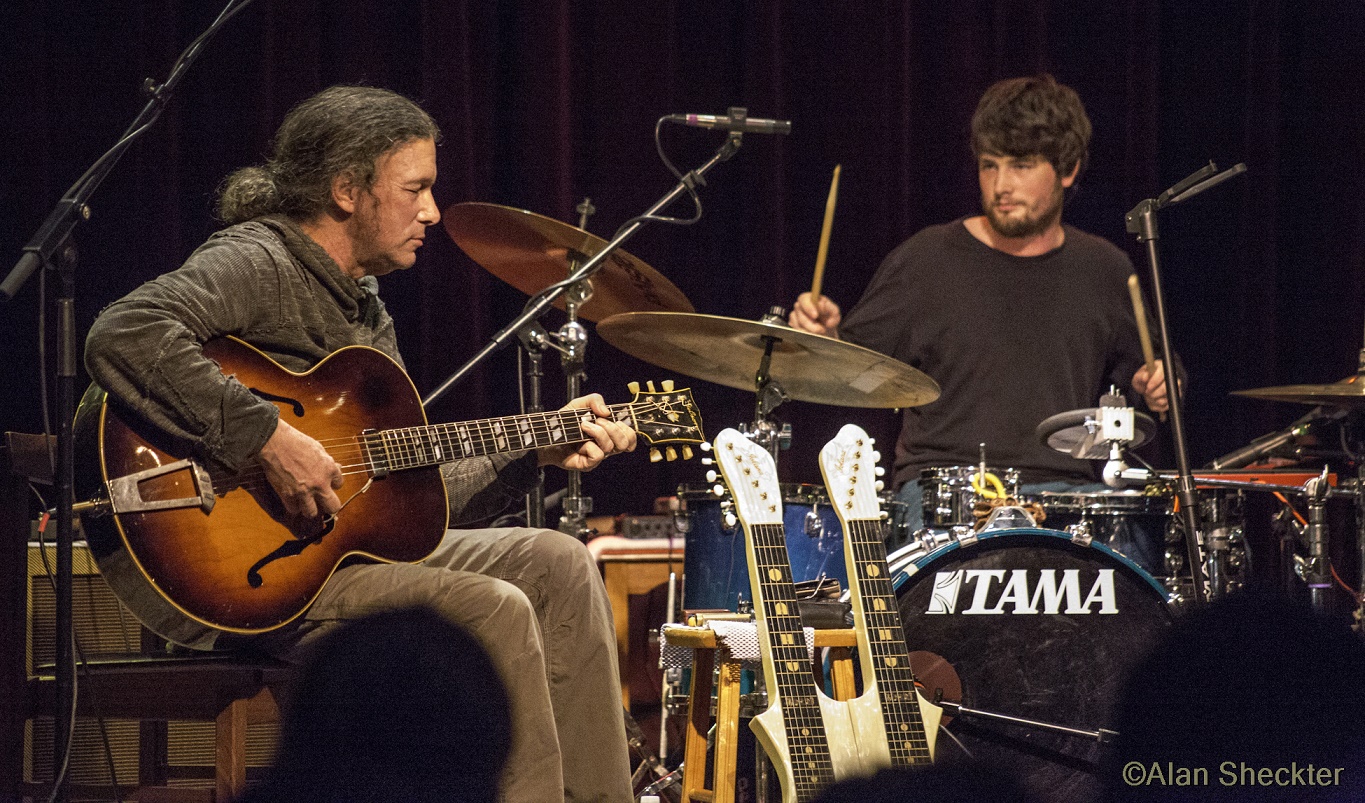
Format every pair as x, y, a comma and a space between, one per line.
1141, 221
763, 430
1317, 572
534, 340
573, 337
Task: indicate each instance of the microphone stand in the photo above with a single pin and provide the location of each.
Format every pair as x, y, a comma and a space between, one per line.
546, 298
1141, 220
51, 247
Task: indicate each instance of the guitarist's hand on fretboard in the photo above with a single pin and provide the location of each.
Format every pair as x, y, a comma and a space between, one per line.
608, 437
302, 473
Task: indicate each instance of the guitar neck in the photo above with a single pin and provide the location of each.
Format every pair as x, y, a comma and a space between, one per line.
433, 444
791, 683
878, 617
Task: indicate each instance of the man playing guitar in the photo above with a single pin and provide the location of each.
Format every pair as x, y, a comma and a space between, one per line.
346, 197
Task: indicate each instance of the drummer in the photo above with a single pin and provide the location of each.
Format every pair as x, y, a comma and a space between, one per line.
1016, 315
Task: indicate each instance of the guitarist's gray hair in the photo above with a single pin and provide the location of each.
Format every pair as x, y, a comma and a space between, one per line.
341, 130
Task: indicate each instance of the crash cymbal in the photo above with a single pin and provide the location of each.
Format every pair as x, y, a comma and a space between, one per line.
1349, 392
728, 351
1076, 432
530, 252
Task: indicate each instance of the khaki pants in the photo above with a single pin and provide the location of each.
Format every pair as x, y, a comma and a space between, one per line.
535, 600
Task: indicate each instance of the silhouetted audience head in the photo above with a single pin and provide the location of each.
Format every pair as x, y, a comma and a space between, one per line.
398, 706
957, 782
1238, 701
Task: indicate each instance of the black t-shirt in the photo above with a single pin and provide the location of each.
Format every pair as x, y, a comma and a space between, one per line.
1010, 340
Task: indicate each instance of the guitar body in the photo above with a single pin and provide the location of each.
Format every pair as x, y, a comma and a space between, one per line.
792, 766
894, 724
245, 567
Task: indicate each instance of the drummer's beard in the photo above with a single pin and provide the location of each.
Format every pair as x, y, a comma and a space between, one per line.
1030, 224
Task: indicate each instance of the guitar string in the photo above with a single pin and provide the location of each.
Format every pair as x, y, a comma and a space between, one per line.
402, 444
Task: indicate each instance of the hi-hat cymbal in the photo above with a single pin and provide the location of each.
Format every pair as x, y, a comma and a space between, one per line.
531, 252
1077, 432
1349, 392
728, 351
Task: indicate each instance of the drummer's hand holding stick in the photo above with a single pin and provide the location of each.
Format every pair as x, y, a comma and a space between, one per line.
813, 312
1150, 379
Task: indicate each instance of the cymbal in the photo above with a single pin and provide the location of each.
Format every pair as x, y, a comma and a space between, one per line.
1349, 392
531, 252
1067, 432
728, 351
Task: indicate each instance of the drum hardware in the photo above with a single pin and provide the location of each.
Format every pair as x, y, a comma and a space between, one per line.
1100, 735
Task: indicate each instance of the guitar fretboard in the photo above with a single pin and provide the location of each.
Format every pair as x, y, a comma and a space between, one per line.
795, 688
905, 734
416, 447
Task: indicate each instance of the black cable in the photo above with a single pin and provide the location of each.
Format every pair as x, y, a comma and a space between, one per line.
691, 191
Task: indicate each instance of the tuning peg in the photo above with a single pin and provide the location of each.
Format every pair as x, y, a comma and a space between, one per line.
655, 456
730, 521
650, 386
705, 446
667, 385
671, 454
876, 457
687, 452
706, 461
712, 476
879, 485
672, 416
879, 472
633, 387
883, 515
718, 489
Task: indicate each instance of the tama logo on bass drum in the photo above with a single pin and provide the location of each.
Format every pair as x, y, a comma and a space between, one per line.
1023, 591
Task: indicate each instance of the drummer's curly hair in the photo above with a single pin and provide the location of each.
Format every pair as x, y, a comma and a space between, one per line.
1033, 115
341, 130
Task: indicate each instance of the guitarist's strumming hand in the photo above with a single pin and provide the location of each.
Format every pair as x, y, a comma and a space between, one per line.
607, 438
303, 475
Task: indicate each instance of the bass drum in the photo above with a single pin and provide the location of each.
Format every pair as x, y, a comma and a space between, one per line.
1035, 626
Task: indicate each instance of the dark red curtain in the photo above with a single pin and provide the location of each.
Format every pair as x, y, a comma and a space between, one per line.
545, 103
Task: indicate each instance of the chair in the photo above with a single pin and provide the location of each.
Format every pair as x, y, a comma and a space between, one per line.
150, 685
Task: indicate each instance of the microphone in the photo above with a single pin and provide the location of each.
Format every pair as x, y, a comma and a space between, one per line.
736, 121
1266, 444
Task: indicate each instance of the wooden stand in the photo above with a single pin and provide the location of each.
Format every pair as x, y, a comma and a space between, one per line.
707, 654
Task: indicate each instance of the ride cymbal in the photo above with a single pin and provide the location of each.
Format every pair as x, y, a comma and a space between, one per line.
728, 351
1349, 392
531, 252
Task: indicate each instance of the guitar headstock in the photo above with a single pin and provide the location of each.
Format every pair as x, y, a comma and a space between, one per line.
849, 466
666, 418
750, 473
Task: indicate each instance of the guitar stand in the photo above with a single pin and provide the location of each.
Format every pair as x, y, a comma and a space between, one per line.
957, 710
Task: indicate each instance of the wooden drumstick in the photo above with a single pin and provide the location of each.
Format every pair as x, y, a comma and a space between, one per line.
1144, 336
823, 251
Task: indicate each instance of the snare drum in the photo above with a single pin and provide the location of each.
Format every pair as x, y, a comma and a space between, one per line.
1035, 625
716, 570
950, 492
1129, 521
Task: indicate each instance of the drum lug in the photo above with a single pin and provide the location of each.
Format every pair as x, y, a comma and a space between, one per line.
814, 525
963, 534
1080, 532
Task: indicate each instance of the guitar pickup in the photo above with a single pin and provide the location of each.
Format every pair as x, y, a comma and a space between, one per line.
125, 495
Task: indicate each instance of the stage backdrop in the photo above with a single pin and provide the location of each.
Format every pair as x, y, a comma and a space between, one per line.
545, 103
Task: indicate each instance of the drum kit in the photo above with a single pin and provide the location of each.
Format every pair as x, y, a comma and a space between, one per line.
975, 516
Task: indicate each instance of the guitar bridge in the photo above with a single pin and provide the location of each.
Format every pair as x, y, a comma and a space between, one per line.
125, 496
